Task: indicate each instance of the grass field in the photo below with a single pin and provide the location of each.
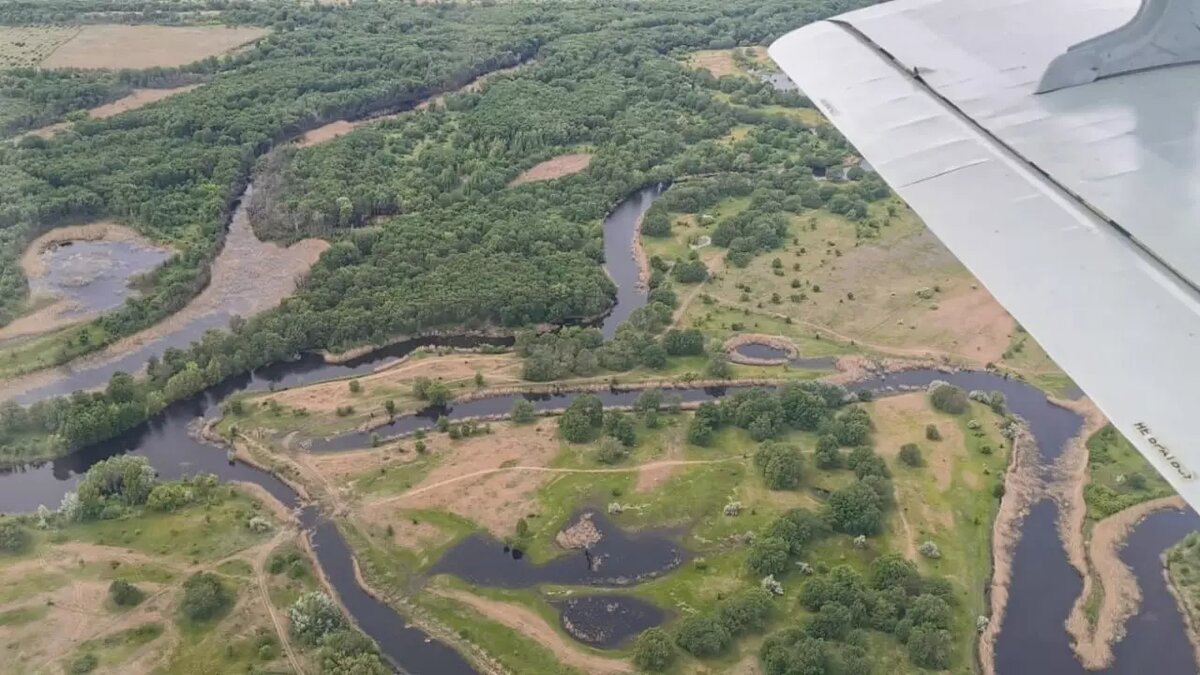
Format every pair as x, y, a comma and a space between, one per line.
56, 614
464, 486
899, 294
1118, 475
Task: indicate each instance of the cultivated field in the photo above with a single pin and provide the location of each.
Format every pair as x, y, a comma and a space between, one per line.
26, 46
144, 46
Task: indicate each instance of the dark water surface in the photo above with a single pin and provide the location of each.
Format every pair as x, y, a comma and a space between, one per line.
607, 621
757, 350
620, 558
620, 228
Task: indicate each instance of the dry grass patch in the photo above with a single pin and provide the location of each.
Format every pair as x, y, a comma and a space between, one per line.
719, 62
902, 419
146, 46
396, 381
902, 293
470, 480
555, 167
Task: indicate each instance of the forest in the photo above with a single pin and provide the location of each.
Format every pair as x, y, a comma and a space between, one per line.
450, 244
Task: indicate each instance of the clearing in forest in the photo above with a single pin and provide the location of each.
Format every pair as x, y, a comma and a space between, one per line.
555, 167
146, 46
135, 100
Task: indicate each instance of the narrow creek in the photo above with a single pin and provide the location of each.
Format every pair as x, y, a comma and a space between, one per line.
1033, 639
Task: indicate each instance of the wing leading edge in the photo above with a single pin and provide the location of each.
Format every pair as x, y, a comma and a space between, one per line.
953, 132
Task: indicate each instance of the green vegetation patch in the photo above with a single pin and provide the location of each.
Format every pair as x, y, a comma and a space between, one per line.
1119, 476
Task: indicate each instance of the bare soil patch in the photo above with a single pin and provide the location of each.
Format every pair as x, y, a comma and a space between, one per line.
329, 396
555, 167
328, 132
139, 98
493, 499
145, 46
529, 624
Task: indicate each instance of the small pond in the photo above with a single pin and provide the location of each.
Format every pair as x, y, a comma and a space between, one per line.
619, 558
757, 350
94, 276
607, 621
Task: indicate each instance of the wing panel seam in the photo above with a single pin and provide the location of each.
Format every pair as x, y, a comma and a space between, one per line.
913, 75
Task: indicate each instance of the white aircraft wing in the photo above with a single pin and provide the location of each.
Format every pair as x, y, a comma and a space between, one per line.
1078, 208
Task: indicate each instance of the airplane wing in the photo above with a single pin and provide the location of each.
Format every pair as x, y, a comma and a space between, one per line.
1078, 208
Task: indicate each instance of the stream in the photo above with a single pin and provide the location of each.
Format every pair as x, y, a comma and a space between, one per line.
1032, 640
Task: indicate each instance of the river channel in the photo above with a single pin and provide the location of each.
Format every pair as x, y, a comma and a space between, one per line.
1032, 640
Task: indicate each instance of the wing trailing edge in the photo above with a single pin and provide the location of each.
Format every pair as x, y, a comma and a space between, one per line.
1026, 199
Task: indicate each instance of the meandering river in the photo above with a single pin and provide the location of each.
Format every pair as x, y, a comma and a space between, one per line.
1031, 641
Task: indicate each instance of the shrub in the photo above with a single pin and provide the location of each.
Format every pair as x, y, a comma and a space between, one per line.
13, 537
910, 454
932, 433
768, 555
780, 464
856, 509
930, 647
204, 596
124, 594
746, 612
929, 610
523, 411
929, 550
689, 271
653, 650
581, 420
610, 451
832, 622
84, 663
313, 616
355, 387
702, 636
948, 398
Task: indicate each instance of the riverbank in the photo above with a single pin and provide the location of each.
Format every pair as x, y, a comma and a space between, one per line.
1022, 488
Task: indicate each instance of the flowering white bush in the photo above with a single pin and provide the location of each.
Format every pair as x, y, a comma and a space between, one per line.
314, 615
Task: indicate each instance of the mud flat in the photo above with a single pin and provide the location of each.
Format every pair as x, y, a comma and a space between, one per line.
248, 276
